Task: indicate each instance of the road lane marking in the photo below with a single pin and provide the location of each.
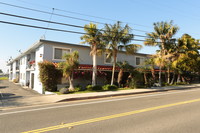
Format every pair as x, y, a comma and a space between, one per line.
94, 102
108, 117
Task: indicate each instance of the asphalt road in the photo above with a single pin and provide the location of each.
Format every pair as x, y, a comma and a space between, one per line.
163, 112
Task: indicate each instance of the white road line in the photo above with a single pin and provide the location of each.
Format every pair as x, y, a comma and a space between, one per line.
104, 101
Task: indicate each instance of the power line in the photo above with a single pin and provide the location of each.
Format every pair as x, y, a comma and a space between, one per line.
53, 29
77, 13
31, 9
39, 27
100, 18
36, 10
48, 21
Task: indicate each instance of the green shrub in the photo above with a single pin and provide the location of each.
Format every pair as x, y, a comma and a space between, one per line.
109, 87
97, 88
49, 75
89, 87
181, 83
94, 88
78, 88
132, 83
64, 90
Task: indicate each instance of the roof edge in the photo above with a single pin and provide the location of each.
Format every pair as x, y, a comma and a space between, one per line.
34, 45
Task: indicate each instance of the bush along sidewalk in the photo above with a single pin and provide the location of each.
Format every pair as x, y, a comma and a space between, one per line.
90, 88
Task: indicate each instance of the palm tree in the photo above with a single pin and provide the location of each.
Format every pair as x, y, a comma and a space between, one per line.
163, 32
123, 66
160, 62
93, 37
71, 63
117, 38
151, 63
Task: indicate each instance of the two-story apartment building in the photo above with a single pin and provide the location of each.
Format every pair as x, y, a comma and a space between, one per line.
25, 66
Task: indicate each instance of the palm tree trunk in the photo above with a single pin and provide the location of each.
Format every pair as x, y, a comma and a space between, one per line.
113, 70
160, 74
179, 78
172, 81
168, 75
94, 70
183, 79
153, 74
71, 84
160, 71
120, 74
145, 79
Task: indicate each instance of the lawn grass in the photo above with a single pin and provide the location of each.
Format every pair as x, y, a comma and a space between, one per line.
78, 92
88, 91
3, 78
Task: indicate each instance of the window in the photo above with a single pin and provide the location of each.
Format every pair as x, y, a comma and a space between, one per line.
139, 60
108, 60
59, 53
28, 57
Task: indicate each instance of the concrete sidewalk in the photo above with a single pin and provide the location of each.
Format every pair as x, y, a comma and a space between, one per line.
47, 99
71, 97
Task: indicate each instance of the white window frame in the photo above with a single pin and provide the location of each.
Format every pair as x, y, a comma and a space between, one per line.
63, 48
105, 59
140, 60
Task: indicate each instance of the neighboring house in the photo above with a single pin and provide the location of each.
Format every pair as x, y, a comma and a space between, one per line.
25, 68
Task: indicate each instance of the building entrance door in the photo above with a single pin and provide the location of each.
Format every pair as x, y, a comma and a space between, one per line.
32, 80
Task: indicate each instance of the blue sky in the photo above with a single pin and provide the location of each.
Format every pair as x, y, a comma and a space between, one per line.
139, 14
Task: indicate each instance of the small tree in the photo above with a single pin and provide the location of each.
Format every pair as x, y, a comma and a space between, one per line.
123, 66
49, 76
133, 79
151, 64
71, 63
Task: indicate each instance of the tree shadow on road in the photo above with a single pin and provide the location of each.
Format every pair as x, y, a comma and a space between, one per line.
10, 100
8, 96
2, 87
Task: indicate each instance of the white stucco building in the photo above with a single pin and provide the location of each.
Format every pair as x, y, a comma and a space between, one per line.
25, 66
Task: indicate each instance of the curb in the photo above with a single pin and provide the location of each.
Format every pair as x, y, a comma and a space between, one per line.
124, 94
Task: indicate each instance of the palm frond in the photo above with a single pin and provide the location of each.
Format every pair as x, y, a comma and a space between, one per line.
132, 48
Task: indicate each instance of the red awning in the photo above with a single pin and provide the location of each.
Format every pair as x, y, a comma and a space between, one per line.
89, 67
99, 67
